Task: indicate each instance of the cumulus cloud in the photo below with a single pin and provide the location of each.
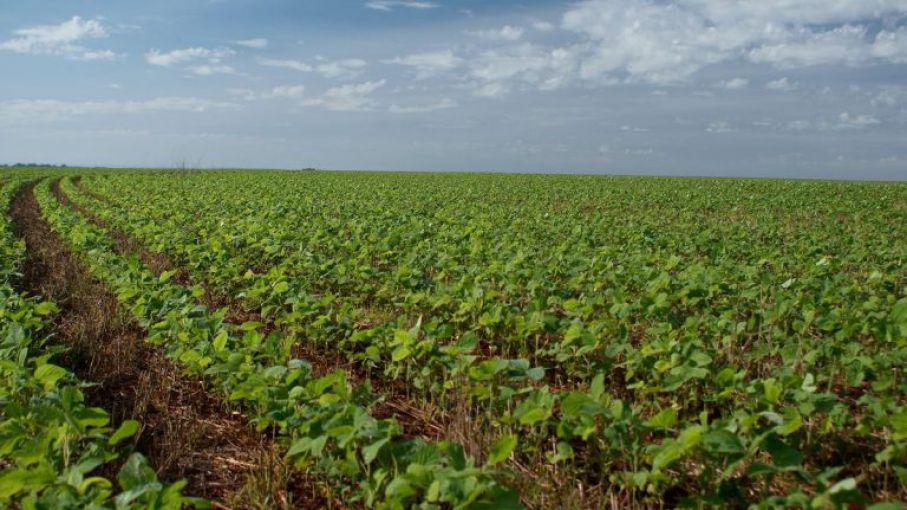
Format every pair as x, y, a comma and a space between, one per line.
843, 122
889, 96
543, 26
609, 42
494, 89
50, 110
429, 64
891, 46
288, 91
259, 43
803, 48
213, 56
243, 94
212, 69
345, 69
390, 5
294, 65
496, 71
733, 84
505, 33
782, 85
348, 98
659, 42
443, 104
62, 40
719, 127
278, 92
848, 121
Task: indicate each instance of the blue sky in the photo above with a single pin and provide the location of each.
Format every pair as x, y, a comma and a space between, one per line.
796, 88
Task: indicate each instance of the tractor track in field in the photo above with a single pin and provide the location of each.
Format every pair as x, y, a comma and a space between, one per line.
186, 432
416, 420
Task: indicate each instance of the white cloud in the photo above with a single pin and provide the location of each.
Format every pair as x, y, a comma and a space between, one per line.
50, 110
843, 45
346, 69
243, 94
443, 104
60, 40
497, 70
294, 65
733, 84
505, 33
891, 46
213, 56
643, 41
848, 121
843, 122
96, 55
278, 92
720, 127
212, 69
543, 26
494, 89
782, 85
288, 91
349, 97
429, 64
797, 12
389, 5
259, 43
799, 125
667, 42
889, 96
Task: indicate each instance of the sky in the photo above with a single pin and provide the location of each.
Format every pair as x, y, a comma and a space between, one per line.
780, 88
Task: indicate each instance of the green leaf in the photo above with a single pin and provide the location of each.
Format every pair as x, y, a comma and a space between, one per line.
48, 375
126, 430
536, 374
501, 450
401, 353
597, 388
136, 472
14, 481
534, 415
220, 341
772, 390
847, 484
663, 420
792, 422
46, 308
370, 452
888, 505
673, 449
722, 442
783, 456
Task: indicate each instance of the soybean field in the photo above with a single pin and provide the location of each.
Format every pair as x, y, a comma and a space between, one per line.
276, 339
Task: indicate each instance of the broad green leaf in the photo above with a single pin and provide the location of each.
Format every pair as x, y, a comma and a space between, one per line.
501, 450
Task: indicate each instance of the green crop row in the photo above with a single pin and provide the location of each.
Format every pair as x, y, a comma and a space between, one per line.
325, 420
52, 444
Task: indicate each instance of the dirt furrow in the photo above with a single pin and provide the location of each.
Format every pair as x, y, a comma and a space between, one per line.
186, 431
